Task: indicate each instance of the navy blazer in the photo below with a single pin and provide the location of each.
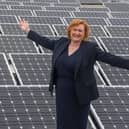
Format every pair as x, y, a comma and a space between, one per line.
85, 82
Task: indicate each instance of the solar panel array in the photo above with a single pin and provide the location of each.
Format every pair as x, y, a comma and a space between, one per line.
113, 107
25, 102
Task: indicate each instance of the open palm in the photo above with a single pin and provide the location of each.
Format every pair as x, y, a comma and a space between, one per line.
24, 25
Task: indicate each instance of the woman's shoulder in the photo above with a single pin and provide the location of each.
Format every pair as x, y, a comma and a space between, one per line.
90, 43
63, 38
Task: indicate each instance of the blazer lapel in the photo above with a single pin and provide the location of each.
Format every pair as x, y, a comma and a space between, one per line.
80, 57
58, 52
80, 53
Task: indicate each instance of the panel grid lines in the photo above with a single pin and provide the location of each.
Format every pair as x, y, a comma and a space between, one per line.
32, 68
112, 107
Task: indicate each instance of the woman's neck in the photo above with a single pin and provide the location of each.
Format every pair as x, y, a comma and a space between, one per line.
72, 43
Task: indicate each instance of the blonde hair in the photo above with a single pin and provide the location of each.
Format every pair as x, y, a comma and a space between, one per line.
76, 22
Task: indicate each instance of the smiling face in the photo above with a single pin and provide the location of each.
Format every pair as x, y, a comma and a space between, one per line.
78, 30
77, 33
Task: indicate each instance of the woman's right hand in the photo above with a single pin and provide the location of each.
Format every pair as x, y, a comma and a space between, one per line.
24, 25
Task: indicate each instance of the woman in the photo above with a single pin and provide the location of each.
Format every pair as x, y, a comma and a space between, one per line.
72, 72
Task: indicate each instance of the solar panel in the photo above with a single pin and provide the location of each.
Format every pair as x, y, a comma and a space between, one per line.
115, 75
29, 105
20, 0
101, 9
117, 7
6, 77
11, 29
67, 4
90, 1
43, 20
119, 21
118, 31
52, 13
15, 12
43, 29
29, 7
91, 21
3, 7
27, 108
68, 1
61, 8
8, 19
32, 69
99, 79
14, 29
97, 31
112, 107
120, 14
116, 45
16, 44
105, 1
60, 29
36, 3
90, 14
2, 2
46, 1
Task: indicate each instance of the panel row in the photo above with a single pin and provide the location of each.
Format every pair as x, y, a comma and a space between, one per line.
26, 107
112, 107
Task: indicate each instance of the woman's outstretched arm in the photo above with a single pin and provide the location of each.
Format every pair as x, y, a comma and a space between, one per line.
111, 59
32, 35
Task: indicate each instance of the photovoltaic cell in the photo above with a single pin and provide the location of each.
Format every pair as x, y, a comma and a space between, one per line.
16, 44
15, 12
14, 29
9, 2
27, 7
116, 76
112, 107
3, 7
43, 19
27, 108
117, 7
42, 29
91, 21
67, 4
90, 14
60, 30
119, 21
11, 29
90, 1
36, 3
32, 69
120, 14
61, 8
49, 1
53, 13
20, 1
102, 9
8, 19
68, 1
97, 31
32, 107
118, 31
5, 74
116, 45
